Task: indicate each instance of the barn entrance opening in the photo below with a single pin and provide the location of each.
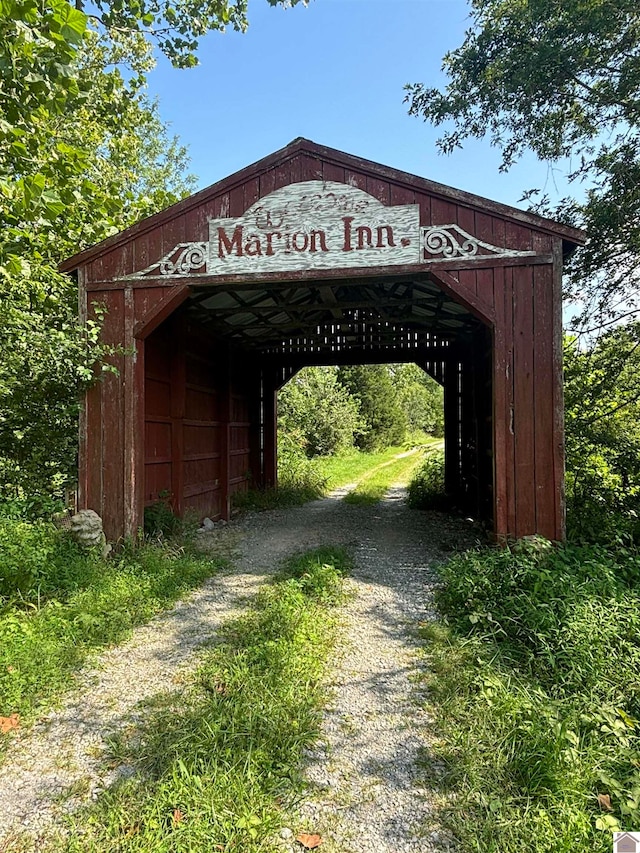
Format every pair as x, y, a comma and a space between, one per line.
214, 367
363, 425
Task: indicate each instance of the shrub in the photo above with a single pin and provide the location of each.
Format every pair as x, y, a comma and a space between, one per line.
160, 520
296, 471
38, 560
534, 683
426, 489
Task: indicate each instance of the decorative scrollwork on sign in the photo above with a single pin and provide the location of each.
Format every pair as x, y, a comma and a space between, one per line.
185, 258
440, 241
451, 241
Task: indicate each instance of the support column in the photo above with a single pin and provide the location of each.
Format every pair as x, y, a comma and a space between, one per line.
452, 428
255, 419
133, 432
225, 437
269, 429
178, 402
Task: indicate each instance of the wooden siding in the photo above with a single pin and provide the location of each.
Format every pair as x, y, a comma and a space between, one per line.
197, 421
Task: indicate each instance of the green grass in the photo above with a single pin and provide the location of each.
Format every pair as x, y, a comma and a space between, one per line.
373, 486
533, 682
350, 467
302, 480
59, 603
218, 765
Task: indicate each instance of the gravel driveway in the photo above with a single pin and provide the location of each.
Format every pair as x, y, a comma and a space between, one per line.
365, 793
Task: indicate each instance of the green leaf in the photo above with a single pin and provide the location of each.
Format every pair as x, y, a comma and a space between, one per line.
73, 23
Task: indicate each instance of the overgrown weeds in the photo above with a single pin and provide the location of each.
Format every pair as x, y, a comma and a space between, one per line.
426, 489
218, 765
534, 681
57, 603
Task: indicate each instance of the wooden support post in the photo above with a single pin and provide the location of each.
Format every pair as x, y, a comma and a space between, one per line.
133, 433
178, 399
83, 428
452, 428
469, 473
269, 429
558, 397
225, 433
255, 428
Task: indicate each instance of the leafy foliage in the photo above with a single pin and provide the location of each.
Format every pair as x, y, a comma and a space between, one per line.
602, 395
532, 679
83, 154
160, 520
176, 27
426, 489
562, 80
316, 412
383, 420
421, 399
299, 480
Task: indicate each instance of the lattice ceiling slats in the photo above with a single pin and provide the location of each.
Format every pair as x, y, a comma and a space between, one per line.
333, 317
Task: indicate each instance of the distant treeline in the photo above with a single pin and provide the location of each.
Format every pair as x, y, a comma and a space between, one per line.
325, 411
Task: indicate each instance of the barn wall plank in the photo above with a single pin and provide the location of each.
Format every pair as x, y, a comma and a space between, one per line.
558, 394
546, 498
333, 172
501, 411
510, 402
112, 442
524, 402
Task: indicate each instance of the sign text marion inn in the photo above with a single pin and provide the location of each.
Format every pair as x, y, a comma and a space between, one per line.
319, 225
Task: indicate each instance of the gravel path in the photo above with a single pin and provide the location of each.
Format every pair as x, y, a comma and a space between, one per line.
367, 790
363, 773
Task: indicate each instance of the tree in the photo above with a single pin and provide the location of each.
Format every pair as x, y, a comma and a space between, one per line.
561, 79
86, 163
602, 393
175, 27
317, 414
83, 154
383, 420
421, 399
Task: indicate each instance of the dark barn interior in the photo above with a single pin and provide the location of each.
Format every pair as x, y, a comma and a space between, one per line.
191, 415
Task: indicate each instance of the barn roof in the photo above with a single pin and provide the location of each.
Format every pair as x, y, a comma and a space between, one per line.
571, 237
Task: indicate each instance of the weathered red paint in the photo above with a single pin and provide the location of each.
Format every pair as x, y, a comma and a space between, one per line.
191, 412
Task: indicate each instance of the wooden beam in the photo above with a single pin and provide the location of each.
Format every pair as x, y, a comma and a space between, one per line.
163, 309
463, 296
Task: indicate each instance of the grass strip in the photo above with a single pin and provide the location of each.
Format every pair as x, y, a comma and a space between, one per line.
350, 467
302, 480
217, 765
533, 683
377, 482
68, 603
278, 497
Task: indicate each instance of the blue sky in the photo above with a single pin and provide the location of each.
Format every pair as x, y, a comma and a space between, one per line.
332, 72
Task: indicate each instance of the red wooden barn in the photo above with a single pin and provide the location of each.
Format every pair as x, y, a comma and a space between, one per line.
313, 256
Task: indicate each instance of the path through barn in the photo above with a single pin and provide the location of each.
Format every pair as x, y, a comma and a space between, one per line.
366, 792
